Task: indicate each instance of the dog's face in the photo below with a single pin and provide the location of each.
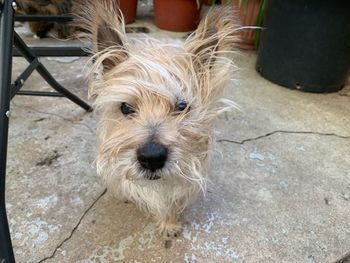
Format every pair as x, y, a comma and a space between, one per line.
153, 125
158, 101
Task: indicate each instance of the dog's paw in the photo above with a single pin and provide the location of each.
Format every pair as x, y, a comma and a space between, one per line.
170, 230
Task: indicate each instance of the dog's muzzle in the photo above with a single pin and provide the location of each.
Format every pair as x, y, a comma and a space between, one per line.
152, 156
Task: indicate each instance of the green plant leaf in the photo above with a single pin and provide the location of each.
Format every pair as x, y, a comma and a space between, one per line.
259, 22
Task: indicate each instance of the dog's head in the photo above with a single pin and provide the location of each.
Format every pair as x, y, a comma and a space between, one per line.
158, 101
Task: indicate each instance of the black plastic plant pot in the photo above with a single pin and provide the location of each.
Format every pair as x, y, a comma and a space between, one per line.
306, 44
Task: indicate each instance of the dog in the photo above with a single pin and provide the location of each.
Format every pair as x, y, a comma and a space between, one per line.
158, 103
50, 7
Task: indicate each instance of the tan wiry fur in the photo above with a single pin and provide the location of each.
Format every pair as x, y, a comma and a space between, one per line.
153, 77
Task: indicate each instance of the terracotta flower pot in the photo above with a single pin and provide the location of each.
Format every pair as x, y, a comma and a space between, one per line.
248, 14
128, 8
176, 15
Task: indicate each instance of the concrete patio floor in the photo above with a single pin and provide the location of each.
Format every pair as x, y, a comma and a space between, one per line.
280, 191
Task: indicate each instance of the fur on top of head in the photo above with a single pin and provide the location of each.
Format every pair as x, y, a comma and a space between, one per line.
200, 66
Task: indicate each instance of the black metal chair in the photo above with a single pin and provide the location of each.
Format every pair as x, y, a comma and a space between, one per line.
11, 44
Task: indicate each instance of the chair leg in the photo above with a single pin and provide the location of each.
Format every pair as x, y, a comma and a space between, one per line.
30, 56
6, 42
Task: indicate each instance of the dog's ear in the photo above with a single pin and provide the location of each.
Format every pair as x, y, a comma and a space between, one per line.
215, 35
209, 47
102, 23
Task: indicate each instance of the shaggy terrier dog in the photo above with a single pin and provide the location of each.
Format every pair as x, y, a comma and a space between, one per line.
158, 104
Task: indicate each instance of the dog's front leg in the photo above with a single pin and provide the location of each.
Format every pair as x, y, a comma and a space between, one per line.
170, 225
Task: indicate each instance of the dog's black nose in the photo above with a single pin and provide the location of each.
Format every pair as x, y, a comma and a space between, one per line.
152, 156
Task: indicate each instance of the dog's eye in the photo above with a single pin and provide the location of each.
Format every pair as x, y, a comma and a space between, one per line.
126, 109
181, 106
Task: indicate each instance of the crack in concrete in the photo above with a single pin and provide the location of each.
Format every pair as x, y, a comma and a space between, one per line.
58, 116
281, 131
74, 228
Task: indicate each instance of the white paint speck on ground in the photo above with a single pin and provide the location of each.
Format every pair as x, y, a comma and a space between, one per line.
257, 156
224, 240
264, 195
40, 230
147, 237
210, 222
187, 233
300, 148
36, 231
76, 201
143, 241
284, 184
200, 239
48, 201
105, 254
261, 157
230, 253
190, 259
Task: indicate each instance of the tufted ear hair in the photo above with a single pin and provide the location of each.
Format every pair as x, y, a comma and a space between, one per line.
209, 47
103, 25
215, 35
